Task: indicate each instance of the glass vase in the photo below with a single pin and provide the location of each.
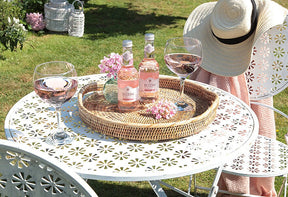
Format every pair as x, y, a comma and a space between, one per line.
110, 90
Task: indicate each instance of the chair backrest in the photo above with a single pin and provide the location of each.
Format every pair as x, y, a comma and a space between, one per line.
267, 74
26, 172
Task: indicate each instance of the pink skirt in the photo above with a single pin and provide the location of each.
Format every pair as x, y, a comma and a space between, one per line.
238, 87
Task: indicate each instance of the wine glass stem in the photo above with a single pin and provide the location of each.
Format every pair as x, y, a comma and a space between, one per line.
59, 132
182, 82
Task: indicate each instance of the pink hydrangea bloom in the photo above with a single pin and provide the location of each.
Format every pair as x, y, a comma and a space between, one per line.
163, 109
111, 64
36, 21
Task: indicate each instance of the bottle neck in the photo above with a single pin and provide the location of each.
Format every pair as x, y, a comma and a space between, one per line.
149, 49
127, 56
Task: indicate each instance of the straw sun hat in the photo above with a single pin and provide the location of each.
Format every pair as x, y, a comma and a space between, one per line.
228, 30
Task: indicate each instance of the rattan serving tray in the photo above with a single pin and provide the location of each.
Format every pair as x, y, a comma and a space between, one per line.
141, 126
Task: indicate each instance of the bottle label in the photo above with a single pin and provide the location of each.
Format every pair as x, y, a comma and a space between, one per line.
127, 58
149, 85
149, 49
128, 94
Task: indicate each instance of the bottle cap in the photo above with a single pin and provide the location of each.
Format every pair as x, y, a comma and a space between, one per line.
127, 43
149, 36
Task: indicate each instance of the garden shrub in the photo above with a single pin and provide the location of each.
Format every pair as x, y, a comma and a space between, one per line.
9, 9
32, 6
13, 34
12, 31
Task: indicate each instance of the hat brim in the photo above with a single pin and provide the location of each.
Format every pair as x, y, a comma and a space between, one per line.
224, 59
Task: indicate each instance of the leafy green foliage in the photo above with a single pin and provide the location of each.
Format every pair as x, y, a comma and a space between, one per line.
30, 6
9, 9
13, 34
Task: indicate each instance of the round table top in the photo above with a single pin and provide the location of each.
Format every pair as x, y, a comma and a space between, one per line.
96, 156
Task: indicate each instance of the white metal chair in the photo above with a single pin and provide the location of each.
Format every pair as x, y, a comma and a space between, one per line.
267, 76
26, 172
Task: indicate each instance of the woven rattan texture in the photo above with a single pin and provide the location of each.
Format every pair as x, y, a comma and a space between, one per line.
140, 125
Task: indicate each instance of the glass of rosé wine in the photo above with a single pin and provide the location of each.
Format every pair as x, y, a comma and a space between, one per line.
56, 82
183, 56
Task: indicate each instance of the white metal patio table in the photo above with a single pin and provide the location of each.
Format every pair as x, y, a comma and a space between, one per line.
100, 157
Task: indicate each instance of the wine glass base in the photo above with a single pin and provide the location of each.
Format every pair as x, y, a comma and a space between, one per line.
184, 106
55, 140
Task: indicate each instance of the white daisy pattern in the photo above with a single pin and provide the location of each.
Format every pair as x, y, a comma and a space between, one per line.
270, 63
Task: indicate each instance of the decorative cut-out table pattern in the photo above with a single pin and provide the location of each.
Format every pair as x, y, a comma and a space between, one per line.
96, 156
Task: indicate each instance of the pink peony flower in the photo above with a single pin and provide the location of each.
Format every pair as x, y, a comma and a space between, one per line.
111, 64
163, 109
36, 21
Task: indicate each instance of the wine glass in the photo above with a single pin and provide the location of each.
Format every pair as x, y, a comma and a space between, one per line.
56, 82
183, 55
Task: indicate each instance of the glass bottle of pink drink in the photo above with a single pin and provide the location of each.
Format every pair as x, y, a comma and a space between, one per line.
128, 81
149, 72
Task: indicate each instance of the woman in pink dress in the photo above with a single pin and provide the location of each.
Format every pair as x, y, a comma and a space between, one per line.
228, 29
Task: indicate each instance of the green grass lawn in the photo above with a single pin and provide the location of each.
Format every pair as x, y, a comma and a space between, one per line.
107, 24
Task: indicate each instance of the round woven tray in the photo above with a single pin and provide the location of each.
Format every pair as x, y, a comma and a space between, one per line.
141, 126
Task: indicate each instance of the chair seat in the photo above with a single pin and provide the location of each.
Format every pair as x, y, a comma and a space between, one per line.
28, 172
266, 158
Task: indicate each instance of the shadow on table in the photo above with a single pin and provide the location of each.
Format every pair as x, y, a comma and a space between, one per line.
102, 21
